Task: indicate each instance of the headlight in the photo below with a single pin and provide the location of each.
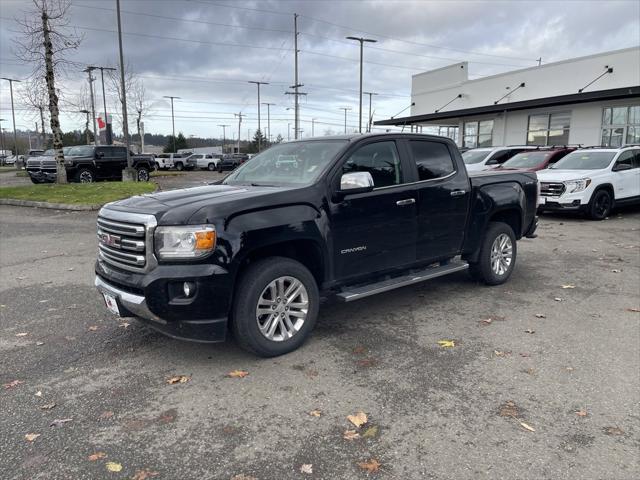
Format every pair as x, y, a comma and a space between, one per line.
184, 242
577, 185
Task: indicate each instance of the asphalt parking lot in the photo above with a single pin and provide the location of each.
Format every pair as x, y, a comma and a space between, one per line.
542, 382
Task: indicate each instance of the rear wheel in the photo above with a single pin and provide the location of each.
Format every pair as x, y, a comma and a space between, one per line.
219, 168
179, 166
143, 174
275, 306
497, 255
84, 175
211, 167
600, 205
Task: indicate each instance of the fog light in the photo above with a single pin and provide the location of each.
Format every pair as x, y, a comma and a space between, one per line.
189, 289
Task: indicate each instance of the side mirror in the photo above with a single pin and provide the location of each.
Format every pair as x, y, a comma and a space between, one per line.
621, 166
356, 182
99, 154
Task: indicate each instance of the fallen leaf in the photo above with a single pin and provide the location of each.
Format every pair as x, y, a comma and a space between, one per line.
38, 393
93, 328
43, 301
581, 413
446, 343
616, 270
359, 350
47, 406
358, 419
178, 379
540, 315
350, 435
60, 421
124, 325
613, 431
568, 286
370, 432
634, 310
525, 355
371, 466
237, 374
485, 321
306, 468
39, 344
96, 456
144, 474
113, 466
528, 330
315, 413
22, 334
71, 269
367, 362
168, 416
105, 415
530, 371
509, 409
31, 436
569, 369
527, 427
500, 353
12, 384
558, 299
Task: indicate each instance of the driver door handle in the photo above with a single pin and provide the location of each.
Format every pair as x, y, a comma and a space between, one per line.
408, 201
457, 193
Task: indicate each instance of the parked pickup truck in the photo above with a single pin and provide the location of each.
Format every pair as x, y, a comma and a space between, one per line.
88, 163
351, 217
165, 161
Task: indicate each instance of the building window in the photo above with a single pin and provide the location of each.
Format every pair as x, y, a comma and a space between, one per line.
620, 125
450, 132
478, 134
549, 129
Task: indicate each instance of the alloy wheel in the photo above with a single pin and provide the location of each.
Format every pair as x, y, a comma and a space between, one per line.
501, 254
282, 308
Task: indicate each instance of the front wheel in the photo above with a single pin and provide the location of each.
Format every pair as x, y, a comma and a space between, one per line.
211, 167
179, 166
275, 307
85, 175
143, 174
497, 255
600, 205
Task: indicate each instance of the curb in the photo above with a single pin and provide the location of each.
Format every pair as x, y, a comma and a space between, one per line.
52, 206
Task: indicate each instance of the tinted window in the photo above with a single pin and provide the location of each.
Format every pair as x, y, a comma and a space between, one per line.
380, 159
584, 160
625, 158
432, 158
501, 157
119, 152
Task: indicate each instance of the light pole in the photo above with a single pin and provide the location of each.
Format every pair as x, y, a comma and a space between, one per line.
93, 107
288, 132
346, 109
268, 120
361, 40
173, 125
313, 124
258, 84
224, 135
239, 115
13, 115
371, 94
129, 173
86, 125
108, 135
2, 142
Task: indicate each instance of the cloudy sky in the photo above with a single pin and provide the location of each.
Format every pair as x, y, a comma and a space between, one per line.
205, 51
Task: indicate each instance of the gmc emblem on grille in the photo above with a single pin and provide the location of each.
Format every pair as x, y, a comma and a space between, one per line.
110, 240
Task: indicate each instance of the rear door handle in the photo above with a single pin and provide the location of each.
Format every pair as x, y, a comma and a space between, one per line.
457, 193
408, 201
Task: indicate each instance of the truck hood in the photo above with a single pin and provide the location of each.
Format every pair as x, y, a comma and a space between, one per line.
554, 175
176, 207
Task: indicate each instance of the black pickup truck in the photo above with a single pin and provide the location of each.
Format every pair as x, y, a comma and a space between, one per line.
88, 163
348, 217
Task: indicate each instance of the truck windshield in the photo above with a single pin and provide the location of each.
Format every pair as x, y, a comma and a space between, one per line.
585, 160
474, 156
526, 160
80, 151
297, 163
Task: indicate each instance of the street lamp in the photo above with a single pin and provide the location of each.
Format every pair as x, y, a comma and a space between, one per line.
258, 84
13, 115
268, 120
173, 125
108, 133
86, 125
346, 109
370, 117
224, 135
361, 40
93, 107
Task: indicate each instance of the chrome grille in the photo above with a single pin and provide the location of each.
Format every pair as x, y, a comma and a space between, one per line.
125, 239
551, 189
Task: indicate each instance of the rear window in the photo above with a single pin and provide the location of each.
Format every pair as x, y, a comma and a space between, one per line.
432, 159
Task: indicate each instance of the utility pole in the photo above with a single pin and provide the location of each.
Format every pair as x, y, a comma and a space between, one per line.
93, 107
313, 124
258, 84
13, 115
346, 109
370, 116
268, 120
108, 135
129, 173
173, 124
239, 115
224, 135
2, 157
288, 132
295, 80
361, 40
86, 125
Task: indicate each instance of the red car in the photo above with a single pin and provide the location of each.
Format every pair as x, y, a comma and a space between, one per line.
533, 160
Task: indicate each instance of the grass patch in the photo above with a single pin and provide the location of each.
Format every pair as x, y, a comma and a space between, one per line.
8, 168
78, 193
162, 173
22, 173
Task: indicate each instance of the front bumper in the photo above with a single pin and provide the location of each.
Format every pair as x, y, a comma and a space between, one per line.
562, 205
42, 175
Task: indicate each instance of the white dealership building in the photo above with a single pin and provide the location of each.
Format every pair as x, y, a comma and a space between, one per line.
592, 100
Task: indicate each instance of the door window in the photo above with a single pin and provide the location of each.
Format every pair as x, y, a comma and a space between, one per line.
380, 159
432, 159
501, 157
119, 153
626, 158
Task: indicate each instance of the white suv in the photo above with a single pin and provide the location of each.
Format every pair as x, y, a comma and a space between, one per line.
592, 181
478, 159
203, 161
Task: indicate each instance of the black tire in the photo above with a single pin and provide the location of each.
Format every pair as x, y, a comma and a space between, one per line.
85, 175
211, 167
600, 205
179, 166
252, 284
37, 182
482, 269
143, 174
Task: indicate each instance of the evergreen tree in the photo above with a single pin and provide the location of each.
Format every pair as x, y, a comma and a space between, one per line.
181, 142
258, 139
279, 139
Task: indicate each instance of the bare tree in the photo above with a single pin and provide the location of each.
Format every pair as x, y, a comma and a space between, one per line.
142, 108
35, 95
45, 39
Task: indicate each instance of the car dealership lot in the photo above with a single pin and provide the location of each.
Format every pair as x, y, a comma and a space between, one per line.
566, 358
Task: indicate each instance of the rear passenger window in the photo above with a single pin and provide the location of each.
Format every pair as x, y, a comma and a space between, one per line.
119, 152
432, 158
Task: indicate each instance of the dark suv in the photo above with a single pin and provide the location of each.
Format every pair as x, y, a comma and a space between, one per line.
231, 162
88, 163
